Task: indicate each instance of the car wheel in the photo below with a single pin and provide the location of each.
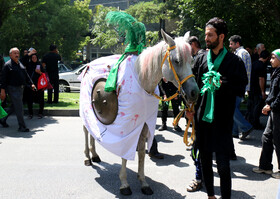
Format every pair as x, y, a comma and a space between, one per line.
64, 87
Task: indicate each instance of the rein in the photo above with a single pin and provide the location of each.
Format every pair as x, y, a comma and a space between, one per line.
187, 141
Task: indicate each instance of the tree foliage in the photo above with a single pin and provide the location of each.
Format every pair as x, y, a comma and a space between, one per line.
147, 12
8, 7
55, 21
106, 37
103, 36
255, 21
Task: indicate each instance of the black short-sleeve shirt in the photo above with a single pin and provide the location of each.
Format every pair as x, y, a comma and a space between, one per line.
51, 60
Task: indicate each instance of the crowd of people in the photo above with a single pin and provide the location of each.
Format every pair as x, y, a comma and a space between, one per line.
22, 75
224, 77
241, 74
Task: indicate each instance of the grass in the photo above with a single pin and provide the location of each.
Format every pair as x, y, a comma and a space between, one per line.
66, 101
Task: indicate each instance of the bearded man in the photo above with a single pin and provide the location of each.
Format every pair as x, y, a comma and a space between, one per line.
221, 76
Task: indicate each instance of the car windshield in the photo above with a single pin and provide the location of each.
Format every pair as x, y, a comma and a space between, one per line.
79, 69
62, 68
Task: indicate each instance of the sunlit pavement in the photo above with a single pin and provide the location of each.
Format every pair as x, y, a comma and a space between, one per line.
48, 162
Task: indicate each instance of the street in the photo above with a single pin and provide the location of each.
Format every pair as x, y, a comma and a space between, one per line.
48, 163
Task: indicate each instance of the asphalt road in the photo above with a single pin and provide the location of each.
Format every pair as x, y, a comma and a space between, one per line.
48, 163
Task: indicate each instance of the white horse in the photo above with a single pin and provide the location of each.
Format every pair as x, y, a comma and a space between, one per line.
170, 59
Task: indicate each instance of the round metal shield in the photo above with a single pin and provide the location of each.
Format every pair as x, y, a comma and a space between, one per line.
105, 104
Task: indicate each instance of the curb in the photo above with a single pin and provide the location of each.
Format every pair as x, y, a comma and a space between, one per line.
73, 112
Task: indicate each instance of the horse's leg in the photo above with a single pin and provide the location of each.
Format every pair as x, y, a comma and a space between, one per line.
87, 161
124, 189
95, 157
145, 187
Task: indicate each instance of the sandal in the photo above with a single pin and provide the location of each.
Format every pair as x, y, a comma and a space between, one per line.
194, 186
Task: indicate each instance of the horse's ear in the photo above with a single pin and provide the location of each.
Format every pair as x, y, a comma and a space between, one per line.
167, 38
187, 36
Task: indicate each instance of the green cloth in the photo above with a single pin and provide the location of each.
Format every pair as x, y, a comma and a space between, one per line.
211, 81
112, 77
2, 111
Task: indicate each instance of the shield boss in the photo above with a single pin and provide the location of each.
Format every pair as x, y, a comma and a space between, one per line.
105, 104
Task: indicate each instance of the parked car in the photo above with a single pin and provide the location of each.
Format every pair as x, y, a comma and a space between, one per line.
68, 80
62, 68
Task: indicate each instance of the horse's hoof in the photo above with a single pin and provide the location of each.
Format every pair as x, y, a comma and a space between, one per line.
126, 191
96, 159
147, 191
87, 163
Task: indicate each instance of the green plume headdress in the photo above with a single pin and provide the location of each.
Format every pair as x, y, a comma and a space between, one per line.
127, 26
134, 33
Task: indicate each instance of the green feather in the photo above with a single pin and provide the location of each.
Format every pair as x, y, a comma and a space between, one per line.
128, 27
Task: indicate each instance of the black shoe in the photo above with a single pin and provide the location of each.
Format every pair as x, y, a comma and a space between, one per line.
235, 136
23, 129
245, 134
30, 117
177, 128
156, 155
4, 124
162, 127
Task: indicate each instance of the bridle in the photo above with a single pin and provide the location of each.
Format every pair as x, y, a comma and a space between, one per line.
187, 141
179, 91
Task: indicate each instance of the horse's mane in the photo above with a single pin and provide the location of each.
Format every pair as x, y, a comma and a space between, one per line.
152, 55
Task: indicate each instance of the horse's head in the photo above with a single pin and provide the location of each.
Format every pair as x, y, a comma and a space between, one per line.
176, 66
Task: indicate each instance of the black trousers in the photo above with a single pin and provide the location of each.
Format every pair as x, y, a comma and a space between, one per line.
270, 139
54, 80
175, 107
223, 166
254, 106
15, 93
35, 96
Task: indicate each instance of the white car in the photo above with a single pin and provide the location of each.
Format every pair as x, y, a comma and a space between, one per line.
68, 80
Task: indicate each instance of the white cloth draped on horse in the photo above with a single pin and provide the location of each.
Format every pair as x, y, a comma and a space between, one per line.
136, 107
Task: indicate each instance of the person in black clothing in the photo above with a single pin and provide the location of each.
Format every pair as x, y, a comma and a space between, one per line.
50, 62
271, 134
196, 47
13, 79
34, 69
257, 96
25, 60
225, 78
167, 89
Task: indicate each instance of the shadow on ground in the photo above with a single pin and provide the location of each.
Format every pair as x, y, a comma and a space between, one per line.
108, 171
35, 125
